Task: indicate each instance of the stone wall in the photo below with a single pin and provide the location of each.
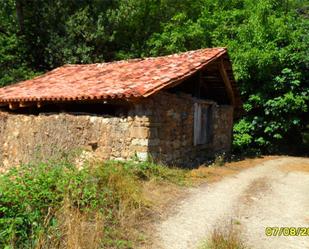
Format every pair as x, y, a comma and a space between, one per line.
222, 128
160, 126
171, 128
26, 138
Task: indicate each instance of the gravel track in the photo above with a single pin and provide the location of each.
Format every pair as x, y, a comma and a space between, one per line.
258, 197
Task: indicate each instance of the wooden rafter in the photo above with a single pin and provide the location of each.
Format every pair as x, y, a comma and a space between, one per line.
227, 82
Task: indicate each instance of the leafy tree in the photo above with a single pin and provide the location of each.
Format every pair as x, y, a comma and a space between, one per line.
13, 67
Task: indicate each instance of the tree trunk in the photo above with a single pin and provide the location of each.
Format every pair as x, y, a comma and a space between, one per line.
20, 15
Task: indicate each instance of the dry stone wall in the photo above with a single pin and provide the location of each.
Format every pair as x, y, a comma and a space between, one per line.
171, 128
27, 138
222, 128
160, 126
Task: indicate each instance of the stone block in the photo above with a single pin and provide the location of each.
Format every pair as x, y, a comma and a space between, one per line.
140, 148
139, 132
140, 141
142, 156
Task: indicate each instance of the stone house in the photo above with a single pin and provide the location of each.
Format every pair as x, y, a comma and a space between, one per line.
177, 109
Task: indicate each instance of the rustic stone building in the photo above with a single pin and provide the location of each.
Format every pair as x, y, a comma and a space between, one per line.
178, 109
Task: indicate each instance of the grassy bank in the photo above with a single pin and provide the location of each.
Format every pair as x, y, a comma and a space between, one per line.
56, 205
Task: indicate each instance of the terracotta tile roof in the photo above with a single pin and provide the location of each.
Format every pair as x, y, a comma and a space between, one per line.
123, 79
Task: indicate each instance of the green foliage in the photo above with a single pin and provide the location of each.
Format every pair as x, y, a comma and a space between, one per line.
33, 198
151, 171
30, 193
267, 42
13, 66
179, 34
283, 115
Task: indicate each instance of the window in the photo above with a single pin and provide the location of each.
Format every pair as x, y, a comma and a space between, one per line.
202, 123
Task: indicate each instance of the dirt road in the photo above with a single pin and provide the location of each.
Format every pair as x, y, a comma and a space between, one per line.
275, 193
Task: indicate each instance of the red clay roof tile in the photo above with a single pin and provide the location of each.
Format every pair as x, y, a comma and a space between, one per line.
122, 79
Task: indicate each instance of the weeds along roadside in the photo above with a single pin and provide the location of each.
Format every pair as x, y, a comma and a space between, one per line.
56, 205
224, 237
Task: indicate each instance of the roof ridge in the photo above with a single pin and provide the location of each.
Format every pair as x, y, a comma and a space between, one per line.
144, 58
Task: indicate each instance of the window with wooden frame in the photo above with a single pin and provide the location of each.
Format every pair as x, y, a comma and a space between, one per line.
202, 124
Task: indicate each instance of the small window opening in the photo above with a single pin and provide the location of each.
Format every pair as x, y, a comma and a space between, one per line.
202, 124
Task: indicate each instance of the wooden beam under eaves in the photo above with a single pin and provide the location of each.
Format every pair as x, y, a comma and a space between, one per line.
227, 83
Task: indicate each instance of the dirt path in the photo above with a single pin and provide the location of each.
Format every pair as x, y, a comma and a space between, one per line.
274, 193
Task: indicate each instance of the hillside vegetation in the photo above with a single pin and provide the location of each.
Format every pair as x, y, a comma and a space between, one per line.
267, 41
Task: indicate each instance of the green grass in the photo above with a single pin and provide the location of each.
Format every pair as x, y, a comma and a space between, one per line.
56, 205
